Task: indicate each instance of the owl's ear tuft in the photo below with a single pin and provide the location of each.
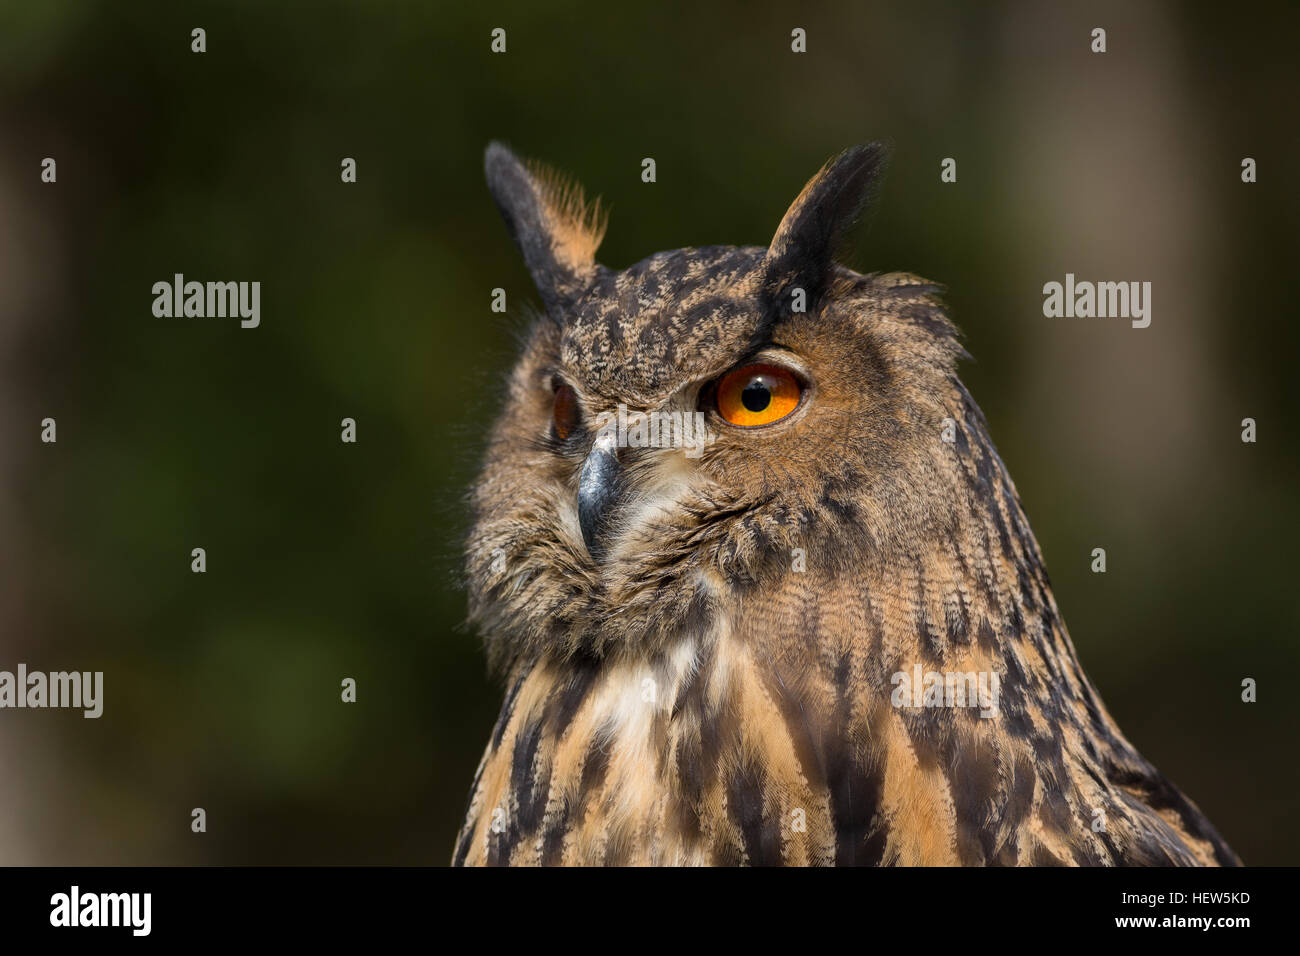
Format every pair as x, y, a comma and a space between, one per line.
553, 225
802, 252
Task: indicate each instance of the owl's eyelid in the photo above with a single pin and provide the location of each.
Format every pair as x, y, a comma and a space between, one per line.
777, 356
782, 356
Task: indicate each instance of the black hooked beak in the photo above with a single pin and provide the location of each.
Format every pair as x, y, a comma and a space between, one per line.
597, 489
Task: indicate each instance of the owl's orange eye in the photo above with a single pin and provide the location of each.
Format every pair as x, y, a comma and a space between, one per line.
757, 395
565, 416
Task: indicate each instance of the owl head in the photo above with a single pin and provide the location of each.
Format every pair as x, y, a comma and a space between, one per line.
687, 429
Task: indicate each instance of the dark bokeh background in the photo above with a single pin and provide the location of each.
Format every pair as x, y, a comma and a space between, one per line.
328, 560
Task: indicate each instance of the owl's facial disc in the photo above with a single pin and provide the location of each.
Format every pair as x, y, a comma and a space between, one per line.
597, 489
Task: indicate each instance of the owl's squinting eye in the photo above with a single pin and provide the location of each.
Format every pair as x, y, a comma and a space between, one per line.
756, 395
565, 416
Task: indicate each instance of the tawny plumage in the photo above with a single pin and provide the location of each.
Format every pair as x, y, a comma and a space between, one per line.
704, 650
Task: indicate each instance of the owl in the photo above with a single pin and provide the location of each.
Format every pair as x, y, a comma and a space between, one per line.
757, 583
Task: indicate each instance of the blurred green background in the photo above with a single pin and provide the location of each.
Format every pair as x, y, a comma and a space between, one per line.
328, 560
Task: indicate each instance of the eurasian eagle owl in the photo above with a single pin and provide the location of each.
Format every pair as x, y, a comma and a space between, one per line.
759, 585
